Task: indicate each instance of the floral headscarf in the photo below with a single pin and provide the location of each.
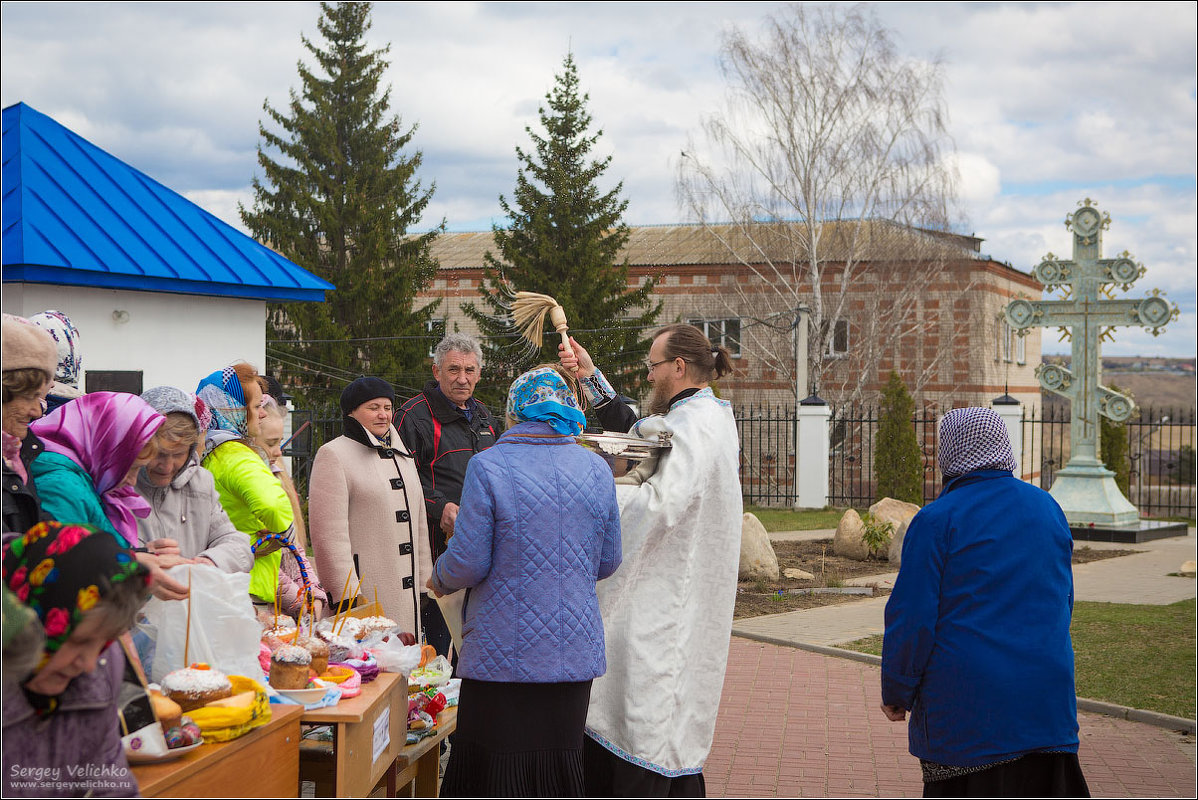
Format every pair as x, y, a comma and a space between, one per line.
542, 394
61, 571
66, 338
972, 439
223, 395
103, 432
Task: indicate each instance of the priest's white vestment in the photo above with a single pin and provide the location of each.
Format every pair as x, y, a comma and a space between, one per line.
667, 611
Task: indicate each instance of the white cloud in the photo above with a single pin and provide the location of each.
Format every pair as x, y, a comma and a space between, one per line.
1049, 103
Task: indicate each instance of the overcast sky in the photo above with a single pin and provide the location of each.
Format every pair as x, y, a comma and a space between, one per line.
1049, 103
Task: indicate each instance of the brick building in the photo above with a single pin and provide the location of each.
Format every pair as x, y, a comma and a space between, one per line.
927, 304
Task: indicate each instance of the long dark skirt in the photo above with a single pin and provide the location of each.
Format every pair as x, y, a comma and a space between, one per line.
608, 775
1033, 775
518, 740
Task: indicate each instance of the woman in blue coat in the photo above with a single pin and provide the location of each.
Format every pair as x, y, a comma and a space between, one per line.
977, 643
537, 527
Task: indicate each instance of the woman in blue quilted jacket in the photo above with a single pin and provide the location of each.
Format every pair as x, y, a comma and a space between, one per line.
537, 528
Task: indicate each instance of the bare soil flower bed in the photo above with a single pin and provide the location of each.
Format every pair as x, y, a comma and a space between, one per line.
757, 598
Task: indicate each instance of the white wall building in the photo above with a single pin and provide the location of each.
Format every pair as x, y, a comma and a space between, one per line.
161, 291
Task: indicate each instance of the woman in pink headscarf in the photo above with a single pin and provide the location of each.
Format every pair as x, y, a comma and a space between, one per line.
94, 448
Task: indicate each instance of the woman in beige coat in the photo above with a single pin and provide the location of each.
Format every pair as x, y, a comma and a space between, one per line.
366, 509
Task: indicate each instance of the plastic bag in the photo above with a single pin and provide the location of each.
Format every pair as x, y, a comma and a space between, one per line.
224, 631
395, 656
451, 609
222, 723
435, 673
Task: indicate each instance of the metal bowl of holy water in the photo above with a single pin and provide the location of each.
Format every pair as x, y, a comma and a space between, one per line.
624, 451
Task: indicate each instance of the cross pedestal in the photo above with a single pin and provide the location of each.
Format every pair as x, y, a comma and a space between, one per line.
1085, 488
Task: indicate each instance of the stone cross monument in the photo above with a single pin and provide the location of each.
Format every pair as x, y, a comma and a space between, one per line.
1087, 313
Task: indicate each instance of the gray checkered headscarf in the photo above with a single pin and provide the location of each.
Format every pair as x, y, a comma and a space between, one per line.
973, 439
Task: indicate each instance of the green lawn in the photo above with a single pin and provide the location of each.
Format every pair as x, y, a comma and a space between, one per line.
1132, 655
784, 519
1138, 656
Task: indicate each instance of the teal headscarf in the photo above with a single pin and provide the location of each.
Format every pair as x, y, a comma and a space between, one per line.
541, 394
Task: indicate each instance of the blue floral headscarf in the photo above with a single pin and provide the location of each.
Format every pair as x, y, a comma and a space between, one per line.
222, 393
541, 394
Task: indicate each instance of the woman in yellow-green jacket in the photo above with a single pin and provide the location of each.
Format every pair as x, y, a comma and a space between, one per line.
250, 494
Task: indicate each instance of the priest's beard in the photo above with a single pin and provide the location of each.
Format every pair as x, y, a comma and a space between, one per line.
659, 400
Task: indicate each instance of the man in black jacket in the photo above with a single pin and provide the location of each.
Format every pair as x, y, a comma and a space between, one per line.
444, 426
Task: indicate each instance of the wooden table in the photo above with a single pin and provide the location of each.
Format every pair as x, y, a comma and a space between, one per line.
369, 733
263, 763
421, 762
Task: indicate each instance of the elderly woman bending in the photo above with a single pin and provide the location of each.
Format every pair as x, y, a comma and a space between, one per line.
977, 643
186, 523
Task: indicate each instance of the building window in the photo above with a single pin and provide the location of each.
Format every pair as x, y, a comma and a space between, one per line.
837, 343
721, 332
113, 380
436, 332
1009, 345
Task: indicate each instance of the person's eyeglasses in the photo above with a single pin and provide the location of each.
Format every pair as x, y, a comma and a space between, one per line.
649, 365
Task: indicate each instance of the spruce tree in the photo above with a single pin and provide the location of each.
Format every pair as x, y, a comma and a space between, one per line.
1112, 441
898, 461
563, 238
339, 202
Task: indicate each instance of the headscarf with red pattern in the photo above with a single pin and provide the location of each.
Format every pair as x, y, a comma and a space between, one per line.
62, 571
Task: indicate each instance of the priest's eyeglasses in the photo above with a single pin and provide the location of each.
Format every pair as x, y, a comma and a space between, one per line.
649, 365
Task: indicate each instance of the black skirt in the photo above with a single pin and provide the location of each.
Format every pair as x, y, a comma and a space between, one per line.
1033, 775
518, 740
608, 775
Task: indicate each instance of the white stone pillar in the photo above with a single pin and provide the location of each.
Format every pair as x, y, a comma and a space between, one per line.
1011, 411
811, 482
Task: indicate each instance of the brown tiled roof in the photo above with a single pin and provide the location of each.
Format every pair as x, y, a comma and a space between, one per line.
679, 245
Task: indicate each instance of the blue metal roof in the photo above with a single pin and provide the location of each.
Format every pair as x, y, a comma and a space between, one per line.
75, 215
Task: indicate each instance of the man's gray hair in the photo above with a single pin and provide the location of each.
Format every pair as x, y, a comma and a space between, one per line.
459, 342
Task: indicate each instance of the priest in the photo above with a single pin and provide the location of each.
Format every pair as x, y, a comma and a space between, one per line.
667, 612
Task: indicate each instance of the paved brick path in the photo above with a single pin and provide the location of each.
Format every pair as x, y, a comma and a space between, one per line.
798, 724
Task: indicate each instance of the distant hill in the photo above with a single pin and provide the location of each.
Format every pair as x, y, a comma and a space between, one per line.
1153, 382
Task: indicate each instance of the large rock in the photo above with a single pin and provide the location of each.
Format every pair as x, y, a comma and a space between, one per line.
898, 514
758, 561
849, 541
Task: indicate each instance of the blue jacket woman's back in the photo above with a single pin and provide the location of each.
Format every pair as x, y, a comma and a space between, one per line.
538, 526
977, 639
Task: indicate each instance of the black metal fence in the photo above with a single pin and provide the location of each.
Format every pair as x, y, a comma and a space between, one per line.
1161, 452
309, 430
767, 454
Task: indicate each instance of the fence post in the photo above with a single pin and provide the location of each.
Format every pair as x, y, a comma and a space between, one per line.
1011, 412
811, 465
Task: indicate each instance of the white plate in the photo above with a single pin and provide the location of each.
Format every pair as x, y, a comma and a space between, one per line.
304, 696
169, 755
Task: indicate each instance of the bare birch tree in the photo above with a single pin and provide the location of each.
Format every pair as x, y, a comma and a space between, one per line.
830, 152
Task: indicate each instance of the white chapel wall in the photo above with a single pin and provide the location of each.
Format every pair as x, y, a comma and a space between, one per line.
174, 339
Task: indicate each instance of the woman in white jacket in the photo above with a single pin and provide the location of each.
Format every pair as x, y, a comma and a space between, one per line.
187, 523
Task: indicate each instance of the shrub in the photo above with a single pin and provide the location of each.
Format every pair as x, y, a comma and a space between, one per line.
1113, 444
877, 534
1185, 471
898, 461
